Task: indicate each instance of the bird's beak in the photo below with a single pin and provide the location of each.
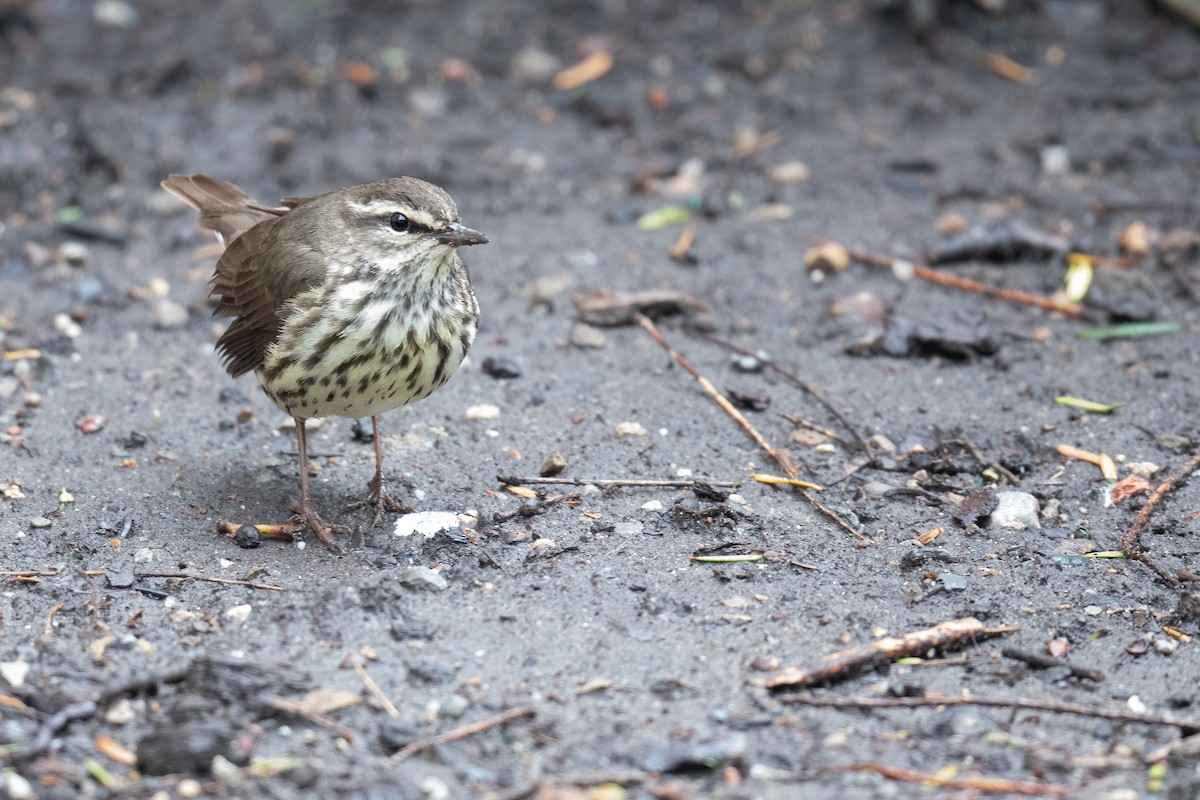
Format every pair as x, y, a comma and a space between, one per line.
458, 235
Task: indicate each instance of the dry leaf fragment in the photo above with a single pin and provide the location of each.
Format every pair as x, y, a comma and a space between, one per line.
1127, 487
327, 701
1135, 240
115, 750
790, 172
586, 71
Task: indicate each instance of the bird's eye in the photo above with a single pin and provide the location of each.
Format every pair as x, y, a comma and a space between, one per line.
399, 222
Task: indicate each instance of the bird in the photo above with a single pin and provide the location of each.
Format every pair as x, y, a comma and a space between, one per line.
349, 303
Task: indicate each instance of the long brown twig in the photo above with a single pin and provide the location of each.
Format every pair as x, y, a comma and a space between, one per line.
793, 379
190, 576
966, 284
722, 401
978, 784
513, 480
482, 725
1131, 542
1013, 703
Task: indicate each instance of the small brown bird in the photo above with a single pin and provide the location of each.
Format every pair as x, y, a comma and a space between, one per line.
348, 304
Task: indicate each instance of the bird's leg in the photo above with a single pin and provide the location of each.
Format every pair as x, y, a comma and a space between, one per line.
379, 498
308, 512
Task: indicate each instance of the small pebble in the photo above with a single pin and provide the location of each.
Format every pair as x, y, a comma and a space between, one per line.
628, 528
239, 613
434, 788
1015, 510
189, 787
67, 326
72, 253
1093, 611
629, 429
14, 673
17, 787
501, 368
423, 578
585, 336
653, 505
119, 713
746, 363
88, 291
247, 536
454, 706
483, 411
1165, 646
168, 314
114, 14
40, 522
1056, 160
951, 582
555, 463
8, 387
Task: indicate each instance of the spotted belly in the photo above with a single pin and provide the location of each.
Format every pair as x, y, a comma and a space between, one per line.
361, 364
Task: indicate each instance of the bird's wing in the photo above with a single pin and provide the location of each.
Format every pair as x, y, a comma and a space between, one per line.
255, 281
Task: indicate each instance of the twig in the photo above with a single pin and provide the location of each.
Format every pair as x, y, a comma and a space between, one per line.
48, 627
631, 777
190, 576
85, 709
376, 692
793, 379
844, 663
999, 785
1189, 726
724, 403
511, 480
1042, 661
966, 284
459, 733
1131, 541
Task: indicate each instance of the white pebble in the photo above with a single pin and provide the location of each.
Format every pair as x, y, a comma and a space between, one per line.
14, 672
17, 787
483, 411
143, 555
119, 713
653, 505
1015, 511
1056, 160
426, 523
67, 326
629, 429
239, 613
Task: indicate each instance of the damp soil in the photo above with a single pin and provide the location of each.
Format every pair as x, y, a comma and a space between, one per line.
126, 443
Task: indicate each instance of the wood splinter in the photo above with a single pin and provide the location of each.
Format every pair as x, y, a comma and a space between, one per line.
845, 663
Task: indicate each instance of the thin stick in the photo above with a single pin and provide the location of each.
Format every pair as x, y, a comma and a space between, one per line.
459, 733
1015, 704
512, 480
793, 379
999, 785
966, 284
376, 692
724, 403
228, 581
1131, 541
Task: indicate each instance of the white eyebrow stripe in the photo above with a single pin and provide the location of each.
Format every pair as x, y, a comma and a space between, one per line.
373, 208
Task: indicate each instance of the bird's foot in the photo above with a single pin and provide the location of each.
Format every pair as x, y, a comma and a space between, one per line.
379, 500
309, 517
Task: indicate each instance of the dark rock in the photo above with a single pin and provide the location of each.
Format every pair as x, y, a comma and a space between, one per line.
247, 536
501, 368
187, 747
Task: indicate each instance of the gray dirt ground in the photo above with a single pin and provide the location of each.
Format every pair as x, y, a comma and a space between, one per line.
636, 661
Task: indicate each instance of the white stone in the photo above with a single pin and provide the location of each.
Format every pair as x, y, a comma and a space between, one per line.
426, 523
239, 613
1015, 511
483, 411
14, 672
